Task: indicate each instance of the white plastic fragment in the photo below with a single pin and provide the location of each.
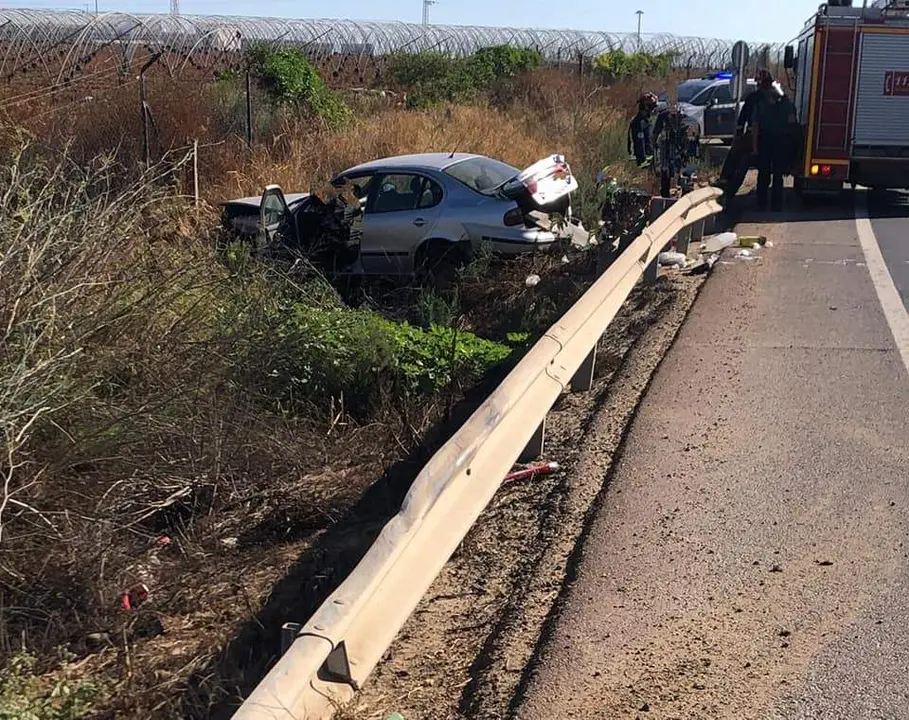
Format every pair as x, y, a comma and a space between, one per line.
743, 254
532, 280
672, 259
716, 243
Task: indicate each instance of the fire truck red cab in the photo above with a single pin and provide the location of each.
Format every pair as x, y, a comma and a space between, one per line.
851, 67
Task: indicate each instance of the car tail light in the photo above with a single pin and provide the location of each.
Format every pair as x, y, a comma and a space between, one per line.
514, 217
826, 170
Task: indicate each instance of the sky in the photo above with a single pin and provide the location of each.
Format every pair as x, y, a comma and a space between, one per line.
769, 21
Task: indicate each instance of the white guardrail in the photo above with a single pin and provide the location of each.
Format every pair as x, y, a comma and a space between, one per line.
328, 659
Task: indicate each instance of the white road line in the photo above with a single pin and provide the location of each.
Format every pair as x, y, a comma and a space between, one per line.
887, 294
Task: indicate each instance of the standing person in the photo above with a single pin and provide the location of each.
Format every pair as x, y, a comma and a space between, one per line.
640, 135
774, 115
739, 158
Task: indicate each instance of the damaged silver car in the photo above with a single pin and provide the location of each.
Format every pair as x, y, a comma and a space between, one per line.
404, 214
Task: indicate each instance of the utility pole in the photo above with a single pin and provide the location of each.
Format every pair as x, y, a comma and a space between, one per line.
174, 7
640, 14
426, 5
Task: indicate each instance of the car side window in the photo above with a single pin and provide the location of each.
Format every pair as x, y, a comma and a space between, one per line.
273, 208
431, 194
722, 95
703, 98
397, 192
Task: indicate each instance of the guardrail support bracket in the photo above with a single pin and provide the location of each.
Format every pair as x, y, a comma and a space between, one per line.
534, 449
650, 273
583, 378
337, 666
289, 632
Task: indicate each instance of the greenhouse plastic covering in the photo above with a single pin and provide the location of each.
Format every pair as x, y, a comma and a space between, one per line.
45, 38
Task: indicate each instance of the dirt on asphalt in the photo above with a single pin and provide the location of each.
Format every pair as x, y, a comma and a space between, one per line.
464, 651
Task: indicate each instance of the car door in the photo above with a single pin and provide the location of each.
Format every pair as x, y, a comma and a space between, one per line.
402, 210
720, 114
273, 218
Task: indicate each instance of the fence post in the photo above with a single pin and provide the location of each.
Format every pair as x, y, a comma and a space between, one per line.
196, 172
143, 98
249, 121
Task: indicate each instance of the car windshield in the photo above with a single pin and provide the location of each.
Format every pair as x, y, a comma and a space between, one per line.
687, 90
482, 174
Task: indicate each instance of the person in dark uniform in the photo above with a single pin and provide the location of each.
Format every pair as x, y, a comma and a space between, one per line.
640, 134
676, 137
772, 121
741, 153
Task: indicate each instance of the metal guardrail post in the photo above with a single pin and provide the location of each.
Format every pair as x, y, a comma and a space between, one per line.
582, 380
534, 449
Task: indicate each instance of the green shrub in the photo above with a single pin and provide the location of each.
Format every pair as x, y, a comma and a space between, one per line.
291, 80
492, 64
305, 356
433, 77
619, 65
24, 695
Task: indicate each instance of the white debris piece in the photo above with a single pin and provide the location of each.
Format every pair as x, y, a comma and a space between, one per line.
716, 243
743, 254
532, 280
672, 259
565, 260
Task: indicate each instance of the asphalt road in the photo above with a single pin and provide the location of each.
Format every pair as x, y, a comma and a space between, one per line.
891, 227
750, 558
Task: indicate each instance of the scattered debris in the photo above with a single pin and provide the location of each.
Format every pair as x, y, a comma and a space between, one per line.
776, 569
743, 254
98, 640
752, 241
825, 563
229, 542
717, 243
703, 264
151, 628
134, 597
565, 260
526, 473
672, 259
532, 280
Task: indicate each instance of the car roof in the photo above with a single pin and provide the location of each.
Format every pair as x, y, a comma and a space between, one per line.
425, 161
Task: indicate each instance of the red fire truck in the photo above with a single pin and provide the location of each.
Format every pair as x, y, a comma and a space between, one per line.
851, 90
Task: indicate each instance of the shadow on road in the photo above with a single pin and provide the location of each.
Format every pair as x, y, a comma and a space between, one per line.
881, 204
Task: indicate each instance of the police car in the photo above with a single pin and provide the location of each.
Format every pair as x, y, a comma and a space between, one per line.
709, 101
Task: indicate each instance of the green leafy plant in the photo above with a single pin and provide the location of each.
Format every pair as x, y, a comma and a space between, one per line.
433, 77
290, 79
25, 695
619, 65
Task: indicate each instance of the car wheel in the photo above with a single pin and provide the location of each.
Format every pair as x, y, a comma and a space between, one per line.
439, 261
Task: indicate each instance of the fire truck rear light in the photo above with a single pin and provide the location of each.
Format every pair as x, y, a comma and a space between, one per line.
815, 169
